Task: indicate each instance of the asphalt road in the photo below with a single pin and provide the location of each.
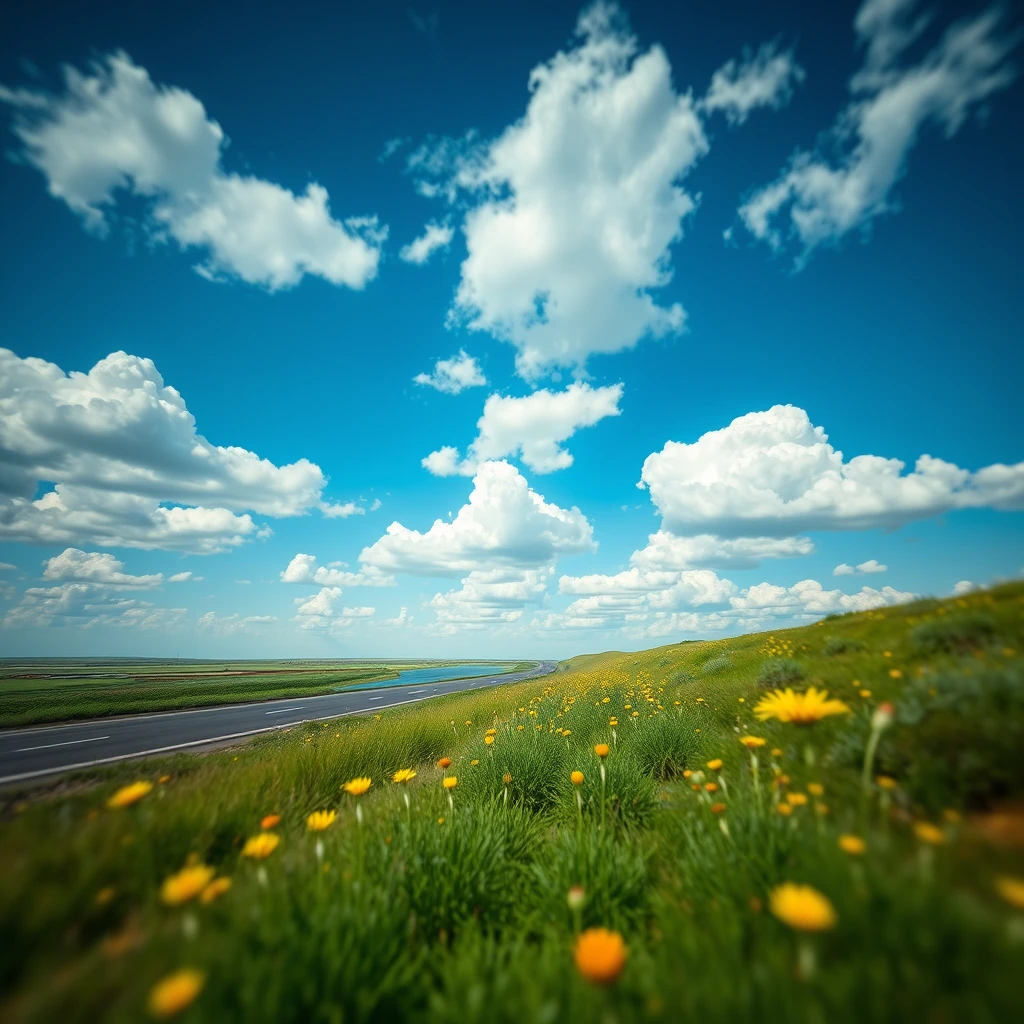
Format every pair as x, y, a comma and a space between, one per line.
49, 749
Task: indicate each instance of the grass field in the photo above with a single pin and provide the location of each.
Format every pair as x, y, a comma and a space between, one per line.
33, 692
425, 903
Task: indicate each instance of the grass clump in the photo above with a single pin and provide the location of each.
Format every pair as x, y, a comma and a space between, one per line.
836, 645
780, 672
716, 664
954, 634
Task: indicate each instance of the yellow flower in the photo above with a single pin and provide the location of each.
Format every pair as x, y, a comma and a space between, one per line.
507, 778
491, 732
403, 775
357, 787
797, 799
319, 820
752, 741
929, 833
216, 888
865, 694
186, 884
885, 782
488, 740
852, 845
474, 762
815, 788
711, 787
262, 846
600, 955
444, 762
799, 708
896, 673
715, 764
577, 778
613, 721
449, 782
270, 821
1012, 890
440, 821
785, 810
164, 779
776, 752
128, 795
170, 996
802, 907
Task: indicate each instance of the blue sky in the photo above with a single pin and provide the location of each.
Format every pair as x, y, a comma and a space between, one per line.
742, 257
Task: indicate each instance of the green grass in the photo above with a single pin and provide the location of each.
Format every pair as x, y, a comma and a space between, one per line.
409, 918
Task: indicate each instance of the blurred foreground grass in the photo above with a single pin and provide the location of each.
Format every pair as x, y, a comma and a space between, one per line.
464, 904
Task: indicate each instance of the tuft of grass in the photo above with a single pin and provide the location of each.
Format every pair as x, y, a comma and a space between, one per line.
836, 645
954, 634
780, 672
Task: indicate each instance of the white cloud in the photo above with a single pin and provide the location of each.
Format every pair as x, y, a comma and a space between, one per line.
183, 577
665, 551
533, 428
810, 600
303, 569
504, 524
435, 237
964, 587
577, 203
868, 567
765, 79
231, 625
114, 130
774, 474
488, 599
99, 568
391, 147
320, 604
4, 566
88, 606
453, 375
375, 505
891, 108
318, 613
119, 446
342, 510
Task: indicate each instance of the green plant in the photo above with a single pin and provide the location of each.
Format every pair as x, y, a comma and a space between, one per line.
780, 672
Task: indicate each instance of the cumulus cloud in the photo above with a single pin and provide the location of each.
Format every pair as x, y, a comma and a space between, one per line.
504, 524
113, 130
774, 474
231, 625
764, 79
818, 200
453, 375
868, 567
532, 427
303, 569
574, 207
183, 577
809, 599
119, 446
87, 606
318, 612
665, 551
964, 587
96, 567
488, 599
434, 238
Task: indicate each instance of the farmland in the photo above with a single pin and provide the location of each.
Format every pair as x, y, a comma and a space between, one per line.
651, 836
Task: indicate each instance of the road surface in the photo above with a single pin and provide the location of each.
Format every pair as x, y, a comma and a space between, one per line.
49, 749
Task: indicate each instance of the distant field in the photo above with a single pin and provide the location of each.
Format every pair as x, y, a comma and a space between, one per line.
53, 690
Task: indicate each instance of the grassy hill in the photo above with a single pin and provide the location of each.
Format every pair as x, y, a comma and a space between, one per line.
907, 827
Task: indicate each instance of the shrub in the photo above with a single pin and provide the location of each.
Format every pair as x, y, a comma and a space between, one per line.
841, 645
718, 664
780, 672
956, 634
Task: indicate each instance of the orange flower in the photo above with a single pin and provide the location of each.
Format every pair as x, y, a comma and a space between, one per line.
577, 778
718, 808
601, 749
445, 762
600, 955
270, 821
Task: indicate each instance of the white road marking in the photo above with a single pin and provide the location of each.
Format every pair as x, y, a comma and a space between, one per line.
417, 691
374, 698
283, 711
66, 743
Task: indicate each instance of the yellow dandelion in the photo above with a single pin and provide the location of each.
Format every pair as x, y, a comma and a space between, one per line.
164, 779
186, 884
926, 832
797, 799
128, 795
815, 788
715, 764
175, 992
475, 761
1011, 890
449, 782
320, 820
403, 775
261, 846
750, 742
577, 778
785, 810
357, 787
802, 907
852, 845
215, 889
488, 740
885, 782
600, 955
601, 749
865, 694
799, 708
